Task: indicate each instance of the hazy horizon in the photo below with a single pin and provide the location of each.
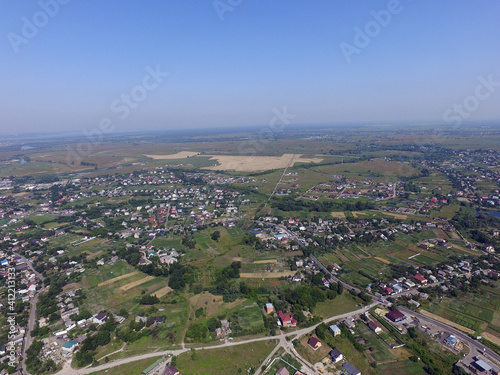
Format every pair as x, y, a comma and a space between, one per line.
73, 67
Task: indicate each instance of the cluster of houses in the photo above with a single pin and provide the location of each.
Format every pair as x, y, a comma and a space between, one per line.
343, 188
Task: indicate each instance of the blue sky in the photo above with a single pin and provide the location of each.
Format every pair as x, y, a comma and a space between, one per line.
232, 67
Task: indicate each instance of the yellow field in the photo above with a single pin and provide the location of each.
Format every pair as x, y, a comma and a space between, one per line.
110, 281
396, 216
162, 292
179, 155
265, 261
338, 215
382, 260
258, 163
267, 275
357, 213
136, 283
490, 337
446, 321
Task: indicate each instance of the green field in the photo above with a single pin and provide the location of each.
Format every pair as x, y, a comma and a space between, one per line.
132, 368
375, 347
227, 361
340, 305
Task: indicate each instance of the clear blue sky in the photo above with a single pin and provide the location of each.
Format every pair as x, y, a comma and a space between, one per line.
232, 72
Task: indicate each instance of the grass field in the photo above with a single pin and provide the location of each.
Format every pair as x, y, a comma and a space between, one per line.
340, 305
227, 361
132, 368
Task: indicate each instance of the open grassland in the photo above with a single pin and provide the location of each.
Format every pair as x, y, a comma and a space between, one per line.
213, 305
108, 272
339, 305
132, 368
225, 361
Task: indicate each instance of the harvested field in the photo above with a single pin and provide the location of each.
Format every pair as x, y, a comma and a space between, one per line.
267, 275
446, 321
488, 336
265, 261
339, 215
382, 260
396, 216
357, 213
129, 286
111, 281
257, 163
441, 234
179, 155
162, 292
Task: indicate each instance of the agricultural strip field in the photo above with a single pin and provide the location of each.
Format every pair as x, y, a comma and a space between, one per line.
118, 278
385, 261
446, 321
131, 285
267, 275
162, 292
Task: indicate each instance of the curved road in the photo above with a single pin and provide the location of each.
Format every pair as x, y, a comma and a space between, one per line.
67, 370
475, 346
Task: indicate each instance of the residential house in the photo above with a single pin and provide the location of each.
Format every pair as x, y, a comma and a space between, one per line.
100, 318
287, 321
269, 308
395, 316
282, 371
171, 370
314, 343
335, 330
351, 369
374, 327
336, 355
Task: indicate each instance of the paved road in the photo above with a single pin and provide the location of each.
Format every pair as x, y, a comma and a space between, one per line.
475, 346
32, 317
67, 370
